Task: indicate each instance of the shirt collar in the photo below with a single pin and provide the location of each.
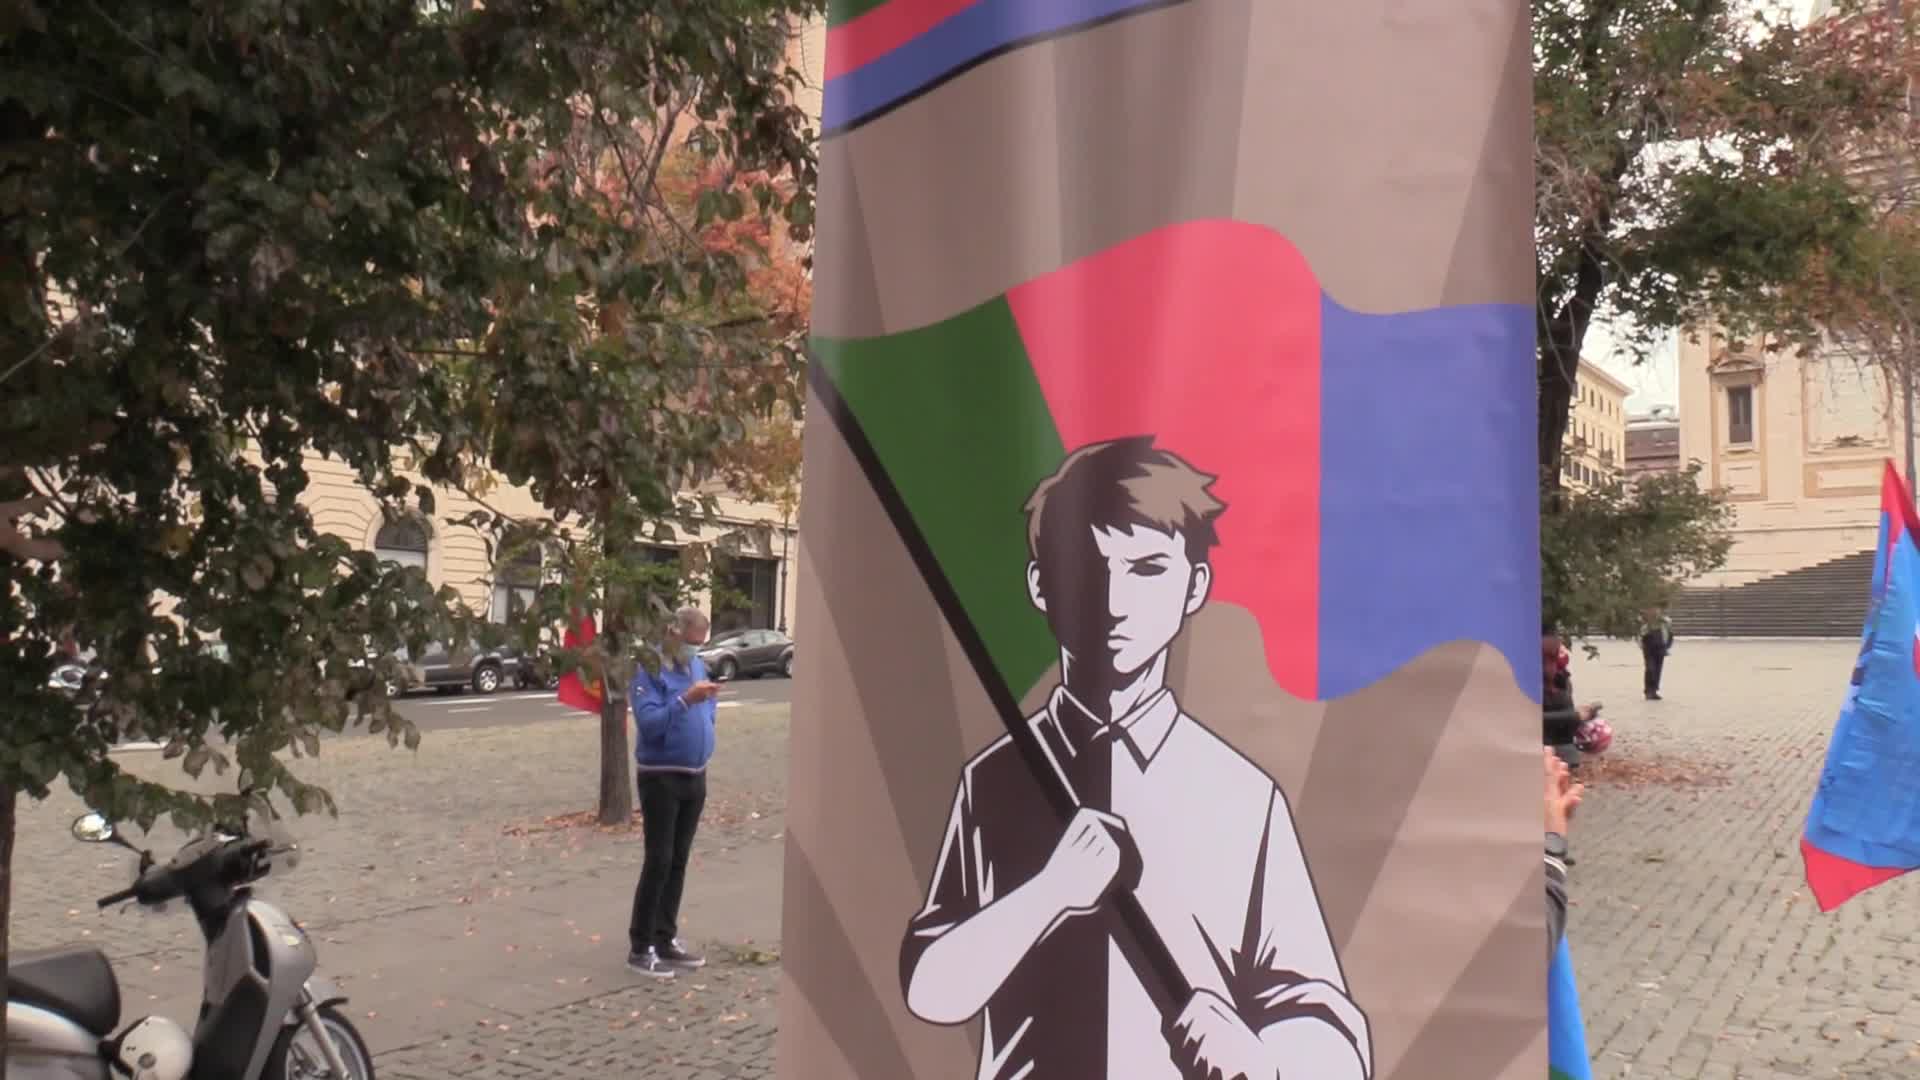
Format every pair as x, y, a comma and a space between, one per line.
1144, 730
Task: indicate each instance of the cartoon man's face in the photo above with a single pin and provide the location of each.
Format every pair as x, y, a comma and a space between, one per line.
1138, 587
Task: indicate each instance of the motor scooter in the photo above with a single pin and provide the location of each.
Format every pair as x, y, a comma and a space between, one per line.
264, 1014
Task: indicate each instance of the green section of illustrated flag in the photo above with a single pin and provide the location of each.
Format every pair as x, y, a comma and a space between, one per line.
957, 420
839, 11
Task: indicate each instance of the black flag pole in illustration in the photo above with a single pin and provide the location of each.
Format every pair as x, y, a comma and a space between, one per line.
1134, 933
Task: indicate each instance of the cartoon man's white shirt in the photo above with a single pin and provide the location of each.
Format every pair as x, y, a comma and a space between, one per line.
1199, 814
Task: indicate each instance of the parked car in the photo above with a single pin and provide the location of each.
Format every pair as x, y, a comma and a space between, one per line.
439, 668
749, 652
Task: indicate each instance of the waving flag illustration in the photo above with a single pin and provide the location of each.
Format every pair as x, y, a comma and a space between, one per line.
1362, 535
1126, 263
1864, 826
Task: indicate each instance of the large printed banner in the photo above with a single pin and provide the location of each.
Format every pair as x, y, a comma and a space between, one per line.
1169, 578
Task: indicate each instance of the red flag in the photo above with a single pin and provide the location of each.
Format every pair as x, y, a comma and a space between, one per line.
575, 690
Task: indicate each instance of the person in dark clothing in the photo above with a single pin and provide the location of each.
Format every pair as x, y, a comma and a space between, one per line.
673, 714
1560, 717
1656, 641
1563, 795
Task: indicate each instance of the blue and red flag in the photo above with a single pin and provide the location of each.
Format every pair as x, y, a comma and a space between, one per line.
1566, 1030
1864, 827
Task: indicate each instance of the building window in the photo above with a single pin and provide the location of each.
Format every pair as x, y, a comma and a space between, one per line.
1740, 415
743, 594
516, 577
661, 582
403, 542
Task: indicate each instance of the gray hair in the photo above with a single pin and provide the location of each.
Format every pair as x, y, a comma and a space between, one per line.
678, 653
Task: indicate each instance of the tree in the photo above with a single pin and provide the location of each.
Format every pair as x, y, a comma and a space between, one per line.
678, 363
1610, 552
234, 236
1865, 296
1693, 163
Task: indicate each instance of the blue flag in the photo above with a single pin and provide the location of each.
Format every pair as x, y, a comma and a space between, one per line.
1566, 1031
1864, 826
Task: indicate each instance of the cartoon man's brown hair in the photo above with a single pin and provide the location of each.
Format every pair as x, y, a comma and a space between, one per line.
1119, 485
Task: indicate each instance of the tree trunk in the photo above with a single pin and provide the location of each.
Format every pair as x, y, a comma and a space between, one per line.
616, 777
9, 799
1558, 377
1560, 335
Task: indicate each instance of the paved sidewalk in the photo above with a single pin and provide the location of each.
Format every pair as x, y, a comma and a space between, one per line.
1700, 953
1699, 950
449, 909
471, 951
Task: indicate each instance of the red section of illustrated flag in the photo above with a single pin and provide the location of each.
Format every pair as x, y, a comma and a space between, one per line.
1207, 336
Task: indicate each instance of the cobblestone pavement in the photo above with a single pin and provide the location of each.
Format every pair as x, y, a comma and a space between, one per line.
1699, 950
1700, 953
719, 1026
415, 829
448, 907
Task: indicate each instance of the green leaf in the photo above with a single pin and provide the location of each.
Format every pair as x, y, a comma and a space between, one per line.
351, 297
257, 572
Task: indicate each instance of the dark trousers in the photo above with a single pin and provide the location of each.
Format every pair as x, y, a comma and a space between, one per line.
670, 805
1656, 661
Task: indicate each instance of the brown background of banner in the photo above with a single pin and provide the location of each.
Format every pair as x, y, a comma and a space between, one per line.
1390, 141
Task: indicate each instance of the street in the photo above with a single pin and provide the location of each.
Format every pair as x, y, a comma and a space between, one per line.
481, 935
431, 711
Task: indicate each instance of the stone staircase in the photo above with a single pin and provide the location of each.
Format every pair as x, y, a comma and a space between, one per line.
1827, 599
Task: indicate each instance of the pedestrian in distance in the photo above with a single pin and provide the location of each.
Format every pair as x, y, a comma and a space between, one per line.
673, 715
1560, 718
1656, 641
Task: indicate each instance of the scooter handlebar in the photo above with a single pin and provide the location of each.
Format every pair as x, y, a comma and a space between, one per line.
238, 863
233, 863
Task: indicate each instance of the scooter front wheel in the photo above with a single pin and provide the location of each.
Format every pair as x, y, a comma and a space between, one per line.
297, 1055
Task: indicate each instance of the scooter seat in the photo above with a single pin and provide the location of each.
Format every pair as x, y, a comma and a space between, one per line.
77, 982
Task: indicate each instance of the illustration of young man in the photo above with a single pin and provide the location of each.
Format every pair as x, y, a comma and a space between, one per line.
1017, 929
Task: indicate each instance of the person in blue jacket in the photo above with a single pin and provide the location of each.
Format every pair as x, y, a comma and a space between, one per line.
673, 713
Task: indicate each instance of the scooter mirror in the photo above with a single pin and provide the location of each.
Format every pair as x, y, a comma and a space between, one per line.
91, 828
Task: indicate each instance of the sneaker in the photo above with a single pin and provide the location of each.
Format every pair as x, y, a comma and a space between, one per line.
678, 957
650, 964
